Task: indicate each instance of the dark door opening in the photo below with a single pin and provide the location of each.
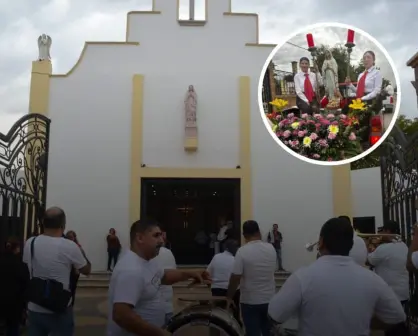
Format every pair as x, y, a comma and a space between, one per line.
189, 211
366, 225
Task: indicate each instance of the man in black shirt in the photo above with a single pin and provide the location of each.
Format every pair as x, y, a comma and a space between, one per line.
275, 238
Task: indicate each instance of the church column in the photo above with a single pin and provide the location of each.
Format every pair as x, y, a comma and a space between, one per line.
39, 87
342, 191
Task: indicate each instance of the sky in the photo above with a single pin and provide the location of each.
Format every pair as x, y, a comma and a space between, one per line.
72, 22
331, 36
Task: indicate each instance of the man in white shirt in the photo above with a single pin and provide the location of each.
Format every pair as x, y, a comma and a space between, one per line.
220, 269
359, 249
389, 262
412, 262
335, 296
167, 261
135, 303
53, 259
253, 271
307, 83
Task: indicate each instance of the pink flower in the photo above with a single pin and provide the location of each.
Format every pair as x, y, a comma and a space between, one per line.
310, 121
330, 116
335, 122
278, 117
279, 134
286, 142
290, 115
323, 142
352, 136
301, 134
295, 132
314, 136
317, 116
325, 122
304, 115
316, 156
287, 133
343, 116
332, 136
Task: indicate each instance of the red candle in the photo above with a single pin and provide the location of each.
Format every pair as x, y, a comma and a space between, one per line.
309, 39
350, 36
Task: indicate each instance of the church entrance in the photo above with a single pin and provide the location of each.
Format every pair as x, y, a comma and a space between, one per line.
189, 211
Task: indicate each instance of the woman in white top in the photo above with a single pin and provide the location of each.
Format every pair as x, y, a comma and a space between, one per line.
369, 82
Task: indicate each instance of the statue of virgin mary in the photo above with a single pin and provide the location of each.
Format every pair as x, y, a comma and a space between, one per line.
330, 75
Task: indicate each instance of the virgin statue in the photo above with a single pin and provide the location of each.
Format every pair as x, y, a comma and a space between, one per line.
190, 106
330, 75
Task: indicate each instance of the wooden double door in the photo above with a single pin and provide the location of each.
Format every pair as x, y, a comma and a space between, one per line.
189, 211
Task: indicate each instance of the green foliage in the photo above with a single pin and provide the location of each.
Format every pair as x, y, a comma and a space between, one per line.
408, 126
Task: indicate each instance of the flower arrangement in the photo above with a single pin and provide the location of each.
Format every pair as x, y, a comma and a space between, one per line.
323, 136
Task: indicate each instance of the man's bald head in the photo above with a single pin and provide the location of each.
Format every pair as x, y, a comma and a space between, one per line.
54, 218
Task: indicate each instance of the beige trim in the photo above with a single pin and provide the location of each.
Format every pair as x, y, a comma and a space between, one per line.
342, 191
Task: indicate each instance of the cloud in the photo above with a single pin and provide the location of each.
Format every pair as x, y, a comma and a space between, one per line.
71, 22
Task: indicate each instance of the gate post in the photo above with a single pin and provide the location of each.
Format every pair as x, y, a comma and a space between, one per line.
39, 87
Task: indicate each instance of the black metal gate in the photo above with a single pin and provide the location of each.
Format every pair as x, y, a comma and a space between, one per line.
399, 173
23, 177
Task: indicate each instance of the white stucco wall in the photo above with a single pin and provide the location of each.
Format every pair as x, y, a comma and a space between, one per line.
90, 131
367, 194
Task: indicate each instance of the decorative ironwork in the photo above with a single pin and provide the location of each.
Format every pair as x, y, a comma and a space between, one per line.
23, 176
399, 174
267, 95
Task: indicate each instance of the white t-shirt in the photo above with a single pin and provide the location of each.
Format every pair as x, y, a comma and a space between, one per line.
136, 282
54, 257
335, 297
414, 259
166, 261
359, 250
256, 263
220, 269
389, 261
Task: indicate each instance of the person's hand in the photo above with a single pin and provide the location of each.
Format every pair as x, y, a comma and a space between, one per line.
199, 278
347, 80
230, 304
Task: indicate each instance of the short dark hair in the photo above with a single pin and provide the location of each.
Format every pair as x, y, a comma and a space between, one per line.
231, 245
304, 59
54, 218
392, 226
142, 226
337, 235
371, 53
250, 228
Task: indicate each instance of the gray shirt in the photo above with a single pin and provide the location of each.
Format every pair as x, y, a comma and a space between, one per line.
334, 296
136, 282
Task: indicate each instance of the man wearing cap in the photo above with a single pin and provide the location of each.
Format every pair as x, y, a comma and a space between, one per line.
389, 262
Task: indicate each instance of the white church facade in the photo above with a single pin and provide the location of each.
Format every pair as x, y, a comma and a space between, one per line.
119, 150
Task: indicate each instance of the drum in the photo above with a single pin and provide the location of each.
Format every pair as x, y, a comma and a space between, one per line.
205, 315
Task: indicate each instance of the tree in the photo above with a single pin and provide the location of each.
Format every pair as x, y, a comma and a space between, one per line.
408, 126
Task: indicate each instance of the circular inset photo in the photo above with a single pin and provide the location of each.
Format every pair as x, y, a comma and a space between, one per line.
330, 94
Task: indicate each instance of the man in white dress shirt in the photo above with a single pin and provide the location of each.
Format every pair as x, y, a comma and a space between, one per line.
306, 85
253, 271
166, 261
359, 249
389, 262
335, 296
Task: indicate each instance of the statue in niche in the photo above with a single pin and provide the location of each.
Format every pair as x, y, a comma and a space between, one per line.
190, 107
44, 45
330, 75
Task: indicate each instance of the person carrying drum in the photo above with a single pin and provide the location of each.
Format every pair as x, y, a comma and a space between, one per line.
253, 271
135, 305
220, 269
334, 295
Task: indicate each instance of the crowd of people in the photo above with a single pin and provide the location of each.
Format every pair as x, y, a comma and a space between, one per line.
336, 295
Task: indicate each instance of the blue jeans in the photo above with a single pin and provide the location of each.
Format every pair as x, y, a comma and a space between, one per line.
256, 319
43, 324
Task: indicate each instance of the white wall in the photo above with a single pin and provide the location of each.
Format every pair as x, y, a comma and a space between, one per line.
90, 131
367, 194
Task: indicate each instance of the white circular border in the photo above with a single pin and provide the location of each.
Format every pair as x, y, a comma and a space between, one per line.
392, 122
